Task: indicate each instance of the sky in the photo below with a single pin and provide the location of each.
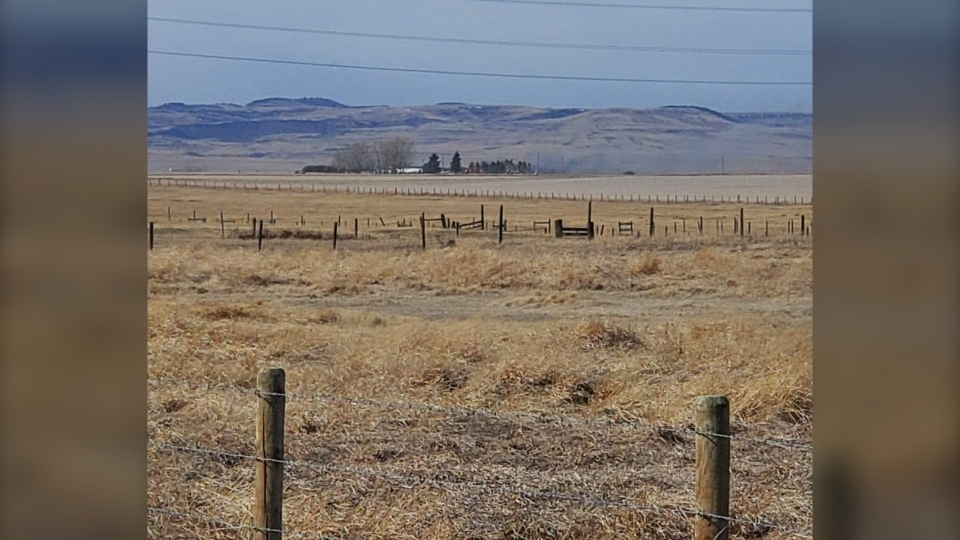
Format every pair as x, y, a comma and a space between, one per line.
205, 80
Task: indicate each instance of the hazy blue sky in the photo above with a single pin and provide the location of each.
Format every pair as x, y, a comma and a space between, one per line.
194, 80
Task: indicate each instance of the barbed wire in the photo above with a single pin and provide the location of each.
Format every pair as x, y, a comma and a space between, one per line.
236, 526
535, 416
489, 488
287, 185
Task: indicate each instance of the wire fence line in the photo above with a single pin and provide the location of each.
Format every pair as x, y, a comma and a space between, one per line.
433, 191
532, 416
219, 523
410, 481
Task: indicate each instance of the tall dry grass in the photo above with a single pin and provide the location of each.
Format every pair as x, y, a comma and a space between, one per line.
593, 337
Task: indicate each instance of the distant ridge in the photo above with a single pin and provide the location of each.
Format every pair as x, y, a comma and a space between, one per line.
314, 102
283, 134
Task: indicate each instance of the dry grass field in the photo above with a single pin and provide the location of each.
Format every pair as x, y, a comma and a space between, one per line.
475, 390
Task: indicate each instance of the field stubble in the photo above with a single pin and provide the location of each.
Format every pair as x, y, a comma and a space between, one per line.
595, 338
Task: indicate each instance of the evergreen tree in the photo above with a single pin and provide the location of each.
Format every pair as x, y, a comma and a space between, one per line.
455, 163
433, 165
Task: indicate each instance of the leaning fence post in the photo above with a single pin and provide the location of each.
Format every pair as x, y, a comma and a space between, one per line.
269, 474
712, 489
223, 230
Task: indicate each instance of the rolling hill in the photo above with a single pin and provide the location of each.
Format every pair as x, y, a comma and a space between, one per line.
279, 134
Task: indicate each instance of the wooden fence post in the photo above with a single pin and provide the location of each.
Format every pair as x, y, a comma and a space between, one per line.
803, 224
483, 224
269, 474
590, 211
423, 231
558, 228
260, 236
151, 236
500, 228
335, 226
651, 221
741, 217
356, 227
223, 227
713, 468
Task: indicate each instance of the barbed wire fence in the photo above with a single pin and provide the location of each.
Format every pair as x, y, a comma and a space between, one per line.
517, 490
300, 187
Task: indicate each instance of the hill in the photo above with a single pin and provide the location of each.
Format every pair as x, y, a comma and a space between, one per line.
279, 134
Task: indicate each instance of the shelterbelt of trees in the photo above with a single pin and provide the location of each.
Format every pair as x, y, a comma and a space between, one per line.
396, 154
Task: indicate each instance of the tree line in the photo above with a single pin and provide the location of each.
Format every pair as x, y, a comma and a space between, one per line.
395, 154
389, 155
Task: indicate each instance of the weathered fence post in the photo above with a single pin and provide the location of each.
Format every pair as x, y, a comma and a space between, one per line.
741, 217
590, 211
151, 236
651, 222
558, 228
223, 228
356, 227
483, 224
260, 236
803, 224
423, 231
269, 474
254, 232
500, 228
335, 227
712, 489
169, 217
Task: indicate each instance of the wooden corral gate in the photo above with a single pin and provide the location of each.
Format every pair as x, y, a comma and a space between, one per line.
624, 227
560, 231
442, 220
544, 225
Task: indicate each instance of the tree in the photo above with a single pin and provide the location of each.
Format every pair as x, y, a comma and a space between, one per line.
433, 165
359, 157
394, 154
455, 163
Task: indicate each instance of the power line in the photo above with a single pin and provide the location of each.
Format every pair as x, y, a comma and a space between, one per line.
467, 41
649, 6
482, 74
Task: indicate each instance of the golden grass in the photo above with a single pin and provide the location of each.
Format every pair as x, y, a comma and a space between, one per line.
595, 336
